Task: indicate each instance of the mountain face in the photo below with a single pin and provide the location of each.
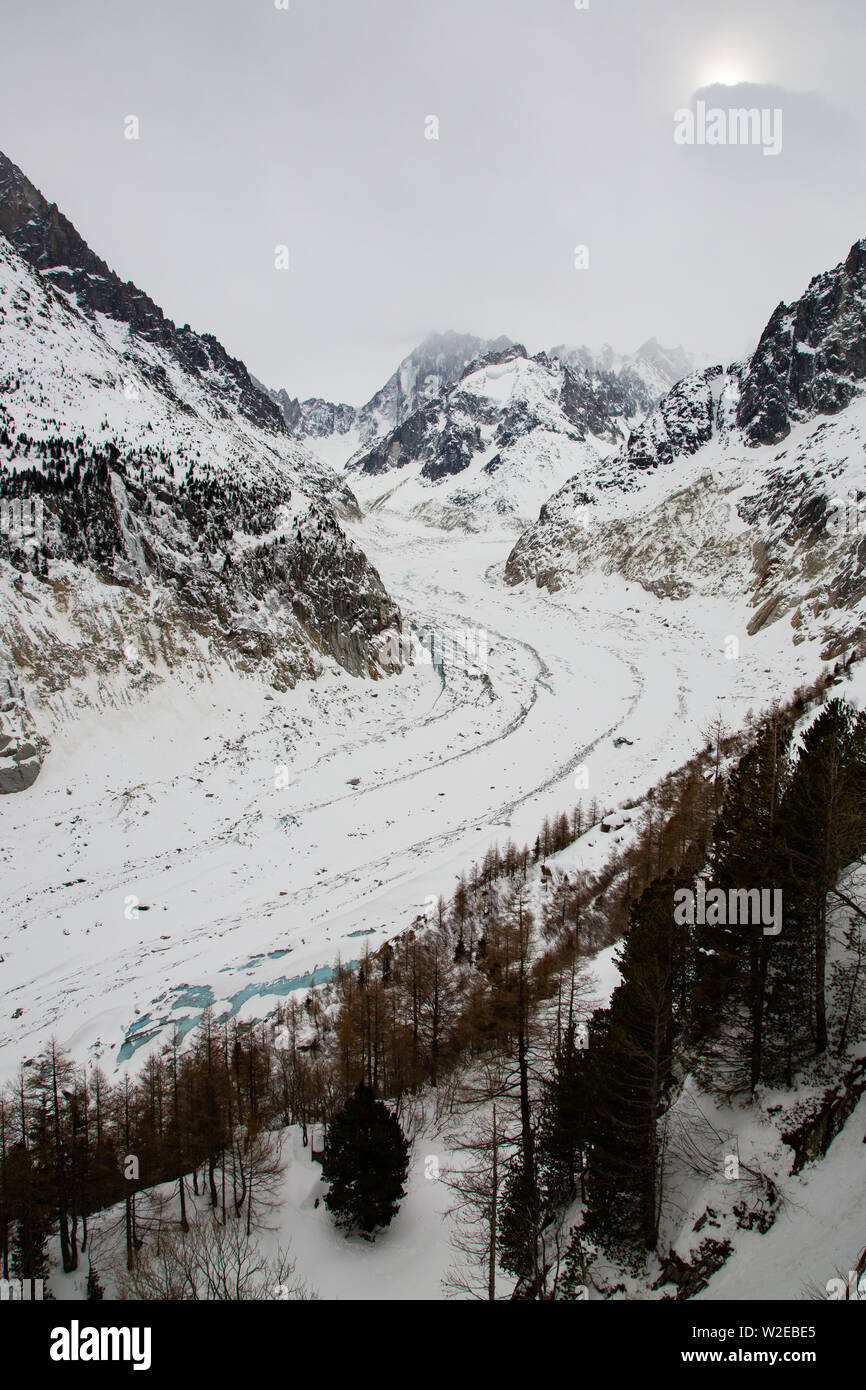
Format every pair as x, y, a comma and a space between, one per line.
440, 360
178, 522
314, 418
433, 366
49, 243
650, 372
484, 450
811, 357
467, 454
701, 500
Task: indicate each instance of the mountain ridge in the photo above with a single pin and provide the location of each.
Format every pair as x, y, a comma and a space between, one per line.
701, 498
179, 518
49, 242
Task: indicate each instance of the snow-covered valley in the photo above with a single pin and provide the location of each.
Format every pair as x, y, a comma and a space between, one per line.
253, 888
219, 842
355, 761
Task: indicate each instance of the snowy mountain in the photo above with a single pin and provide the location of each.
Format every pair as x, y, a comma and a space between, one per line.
185, 538
49, 243
178, 523
702, 498
433, 366
482, 452
652, 367
439, 416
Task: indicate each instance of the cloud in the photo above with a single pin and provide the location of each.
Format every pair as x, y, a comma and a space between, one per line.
307, 128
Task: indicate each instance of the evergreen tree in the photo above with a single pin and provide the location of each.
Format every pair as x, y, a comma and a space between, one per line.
31, 1200
824, 829
366, 1160
630, 1058
573, 1282
562, 1128
521, 1222
738, 969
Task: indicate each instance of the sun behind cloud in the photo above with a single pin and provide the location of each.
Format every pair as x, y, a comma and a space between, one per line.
726, 70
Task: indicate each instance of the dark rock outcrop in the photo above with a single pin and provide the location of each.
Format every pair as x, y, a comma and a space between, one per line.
51, 245
811, 357
460, 423
811, 1137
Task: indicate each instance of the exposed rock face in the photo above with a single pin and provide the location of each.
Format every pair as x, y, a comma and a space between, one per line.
21, 751
812, 1136
446, 434
693, 503
19, 768
684, 420
650, 372
809, 362
314, 418
50, 244
484, 447
435, 365
432, 367
178, 518
337, 594
811, 357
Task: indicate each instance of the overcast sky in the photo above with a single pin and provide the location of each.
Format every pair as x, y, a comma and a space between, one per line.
262, 127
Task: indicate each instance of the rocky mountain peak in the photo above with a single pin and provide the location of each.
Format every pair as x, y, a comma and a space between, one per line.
811, 358
48, 242
177, 518
651, 370
435, 364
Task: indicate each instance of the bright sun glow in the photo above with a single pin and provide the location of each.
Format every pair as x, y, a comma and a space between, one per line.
727, 71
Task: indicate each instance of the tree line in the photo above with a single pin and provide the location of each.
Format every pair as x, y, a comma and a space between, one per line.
728, 1001
483, 997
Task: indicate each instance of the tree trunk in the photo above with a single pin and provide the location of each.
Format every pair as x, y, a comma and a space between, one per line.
494, 1204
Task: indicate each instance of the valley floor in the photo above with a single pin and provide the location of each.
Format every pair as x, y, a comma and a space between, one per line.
221, 843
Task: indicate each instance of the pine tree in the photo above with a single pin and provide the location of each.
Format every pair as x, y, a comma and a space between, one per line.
521, 1222
825, 829
562, 1128
737, 969
366, 1160
630, 1061
573, 1282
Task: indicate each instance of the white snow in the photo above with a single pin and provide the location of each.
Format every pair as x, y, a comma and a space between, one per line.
177, 798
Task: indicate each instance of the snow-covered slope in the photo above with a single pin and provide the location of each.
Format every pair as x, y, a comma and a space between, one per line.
339, 431
742, 481
321, 819
180, 524
652, 367
483, 452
